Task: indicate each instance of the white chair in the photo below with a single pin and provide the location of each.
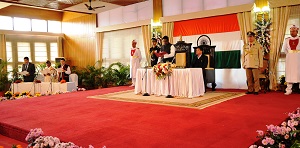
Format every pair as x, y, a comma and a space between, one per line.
73, 78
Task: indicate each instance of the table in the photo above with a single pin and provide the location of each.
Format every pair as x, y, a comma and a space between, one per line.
183, 82
292, 68
43, 87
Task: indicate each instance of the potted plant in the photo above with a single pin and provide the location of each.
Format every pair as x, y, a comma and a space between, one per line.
120, 73
3, 78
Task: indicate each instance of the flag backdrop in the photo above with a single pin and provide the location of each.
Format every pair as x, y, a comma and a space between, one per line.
224, 33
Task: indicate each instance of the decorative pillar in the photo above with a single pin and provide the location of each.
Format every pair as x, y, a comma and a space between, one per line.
156, 26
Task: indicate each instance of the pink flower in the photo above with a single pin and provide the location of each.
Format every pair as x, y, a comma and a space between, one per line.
264, 142
272, 141
260, 132
286, 136
281, 145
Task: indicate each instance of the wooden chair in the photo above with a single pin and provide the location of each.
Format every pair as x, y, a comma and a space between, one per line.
264, 77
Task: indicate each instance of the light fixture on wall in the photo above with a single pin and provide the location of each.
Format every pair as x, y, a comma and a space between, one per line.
261, 12
154, 24
264, 9
156, 28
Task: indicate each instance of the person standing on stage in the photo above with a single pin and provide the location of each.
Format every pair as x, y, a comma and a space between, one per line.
153, 50
52, 74
65, 70
167, 50
135, 59
200, 61
30, 68
252, 62
291, 45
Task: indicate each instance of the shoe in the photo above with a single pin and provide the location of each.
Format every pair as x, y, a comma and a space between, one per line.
255, 93
287, 93
249, 92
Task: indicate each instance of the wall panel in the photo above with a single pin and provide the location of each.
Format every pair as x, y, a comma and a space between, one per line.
79, 43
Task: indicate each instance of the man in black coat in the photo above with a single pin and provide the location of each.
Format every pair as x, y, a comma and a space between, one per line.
30, 68
153, 50
65, 70
200, 61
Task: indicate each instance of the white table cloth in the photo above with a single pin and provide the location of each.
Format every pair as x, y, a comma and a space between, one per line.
292, 68
43, 87
183, 82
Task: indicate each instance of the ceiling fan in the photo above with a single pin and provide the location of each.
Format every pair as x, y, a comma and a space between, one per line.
89, 7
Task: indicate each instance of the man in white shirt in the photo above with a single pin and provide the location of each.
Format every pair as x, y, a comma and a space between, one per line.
65, 70
135, 59
291, 46
52, 72
167, 50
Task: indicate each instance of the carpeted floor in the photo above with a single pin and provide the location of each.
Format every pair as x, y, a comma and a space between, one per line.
74, 117
7, 142
210, 98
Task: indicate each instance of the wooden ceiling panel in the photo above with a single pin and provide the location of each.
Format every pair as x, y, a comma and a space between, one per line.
123, 2
51, 4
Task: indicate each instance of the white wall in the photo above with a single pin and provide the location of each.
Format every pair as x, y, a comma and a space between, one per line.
176, 7
126, 14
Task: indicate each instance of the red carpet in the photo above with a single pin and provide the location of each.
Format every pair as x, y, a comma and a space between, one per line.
73, 117
9, 142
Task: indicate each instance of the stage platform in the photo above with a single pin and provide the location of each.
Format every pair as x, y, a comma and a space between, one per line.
76, 117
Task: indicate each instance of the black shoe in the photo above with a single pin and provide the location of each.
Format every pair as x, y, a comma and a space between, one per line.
249, 92
255, 93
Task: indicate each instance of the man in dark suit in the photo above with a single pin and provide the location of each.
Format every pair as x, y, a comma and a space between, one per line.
153, 50
30, 68
200, 61
66, 70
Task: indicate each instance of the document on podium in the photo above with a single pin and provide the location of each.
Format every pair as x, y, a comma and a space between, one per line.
60, 69
24, 73
45, 71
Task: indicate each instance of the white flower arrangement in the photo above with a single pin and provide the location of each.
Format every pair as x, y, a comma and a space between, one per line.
262, 29
36, 140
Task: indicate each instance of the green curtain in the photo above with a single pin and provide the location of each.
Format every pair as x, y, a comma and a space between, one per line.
228, 59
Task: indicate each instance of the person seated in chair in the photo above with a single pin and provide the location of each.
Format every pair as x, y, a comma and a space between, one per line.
200, 61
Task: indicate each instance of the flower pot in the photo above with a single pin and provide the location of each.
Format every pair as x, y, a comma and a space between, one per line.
2, 93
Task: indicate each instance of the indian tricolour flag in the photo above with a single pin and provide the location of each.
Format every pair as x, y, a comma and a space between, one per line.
224, 33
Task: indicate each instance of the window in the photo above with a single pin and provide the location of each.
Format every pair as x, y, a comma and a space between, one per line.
39, 25
22, 24
6, 23
54, 26
40, 52
120, 42
9, 69
53, 51
23, 51
9, 55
